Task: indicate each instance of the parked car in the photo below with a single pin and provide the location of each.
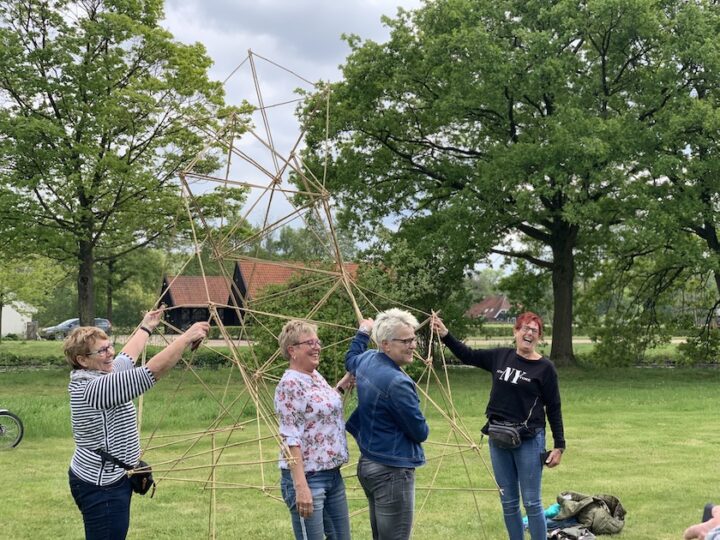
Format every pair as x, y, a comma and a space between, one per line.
60, 331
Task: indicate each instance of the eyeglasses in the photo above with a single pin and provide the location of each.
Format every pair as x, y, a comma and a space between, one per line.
103, 350
310, 343
407, 341
525, 328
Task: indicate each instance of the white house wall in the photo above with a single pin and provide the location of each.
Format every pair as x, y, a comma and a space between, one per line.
13, 322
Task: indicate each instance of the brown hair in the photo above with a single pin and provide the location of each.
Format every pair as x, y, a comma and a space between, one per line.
291, 332
527, 317
78, 343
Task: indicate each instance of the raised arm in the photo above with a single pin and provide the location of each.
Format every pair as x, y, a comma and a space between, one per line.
358, 345
139, 339
166, 359
473, 357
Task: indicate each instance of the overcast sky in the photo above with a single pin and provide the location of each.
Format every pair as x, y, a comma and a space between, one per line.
300, 34
303, 36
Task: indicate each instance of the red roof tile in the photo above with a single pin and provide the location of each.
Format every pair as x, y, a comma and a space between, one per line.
258, 275
191, 291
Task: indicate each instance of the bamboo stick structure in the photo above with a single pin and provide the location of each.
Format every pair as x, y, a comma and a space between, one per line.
238, 448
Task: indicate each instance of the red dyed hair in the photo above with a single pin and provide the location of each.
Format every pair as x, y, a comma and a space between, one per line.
527, 317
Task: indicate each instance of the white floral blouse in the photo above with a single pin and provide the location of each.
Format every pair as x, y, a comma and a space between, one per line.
311, 417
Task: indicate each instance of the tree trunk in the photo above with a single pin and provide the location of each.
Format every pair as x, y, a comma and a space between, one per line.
713, 243
563, 278
86, 284
2, 306
109, 290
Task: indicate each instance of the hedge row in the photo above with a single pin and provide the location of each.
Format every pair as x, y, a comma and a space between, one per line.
234, 331
204, 358
8, 359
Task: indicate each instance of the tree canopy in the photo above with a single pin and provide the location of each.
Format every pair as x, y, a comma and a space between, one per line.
100, 109
516, 127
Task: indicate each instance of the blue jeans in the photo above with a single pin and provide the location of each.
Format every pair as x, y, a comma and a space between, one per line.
391, 495
105, 509
520, 471
330, 518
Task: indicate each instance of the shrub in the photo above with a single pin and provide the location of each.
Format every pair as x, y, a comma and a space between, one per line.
202, 358
703, 348
235, 332
19, 359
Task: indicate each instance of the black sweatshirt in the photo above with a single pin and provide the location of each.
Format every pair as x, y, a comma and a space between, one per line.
521, 389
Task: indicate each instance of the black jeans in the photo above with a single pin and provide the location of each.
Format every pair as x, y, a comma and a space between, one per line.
105, 509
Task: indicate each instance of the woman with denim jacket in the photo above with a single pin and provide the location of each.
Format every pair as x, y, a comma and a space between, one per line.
524, 389
388, 424
312, 427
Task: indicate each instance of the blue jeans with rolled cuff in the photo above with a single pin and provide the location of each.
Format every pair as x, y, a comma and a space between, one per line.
519, 471
105, 509
330, 518
391, 496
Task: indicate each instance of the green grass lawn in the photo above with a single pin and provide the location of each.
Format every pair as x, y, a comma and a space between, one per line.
647, 436
35, 348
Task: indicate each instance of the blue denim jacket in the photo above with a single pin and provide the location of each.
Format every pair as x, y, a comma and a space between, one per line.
387, 424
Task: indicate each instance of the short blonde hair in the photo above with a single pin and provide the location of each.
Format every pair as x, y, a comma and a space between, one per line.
78, 343
290, 334
387, 323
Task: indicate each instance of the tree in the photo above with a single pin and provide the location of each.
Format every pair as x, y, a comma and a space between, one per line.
529, 289
395, 278
483, 283
25, 283
307, 244
684, 186
666, 251
217, 219
101, 108
130, 285
510, 127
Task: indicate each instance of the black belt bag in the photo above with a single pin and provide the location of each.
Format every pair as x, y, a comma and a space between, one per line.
509, 435
141, 478
504, 434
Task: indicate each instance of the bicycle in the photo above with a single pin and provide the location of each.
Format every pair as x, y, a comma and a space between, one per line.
11, 429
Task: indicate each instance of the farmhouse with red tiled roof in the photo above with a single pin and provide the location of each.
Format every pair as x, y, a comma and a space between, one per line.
187, 297
492, 308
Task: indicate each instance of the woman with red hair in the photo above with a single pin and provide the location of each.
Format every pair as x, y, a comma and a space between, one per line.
524, 390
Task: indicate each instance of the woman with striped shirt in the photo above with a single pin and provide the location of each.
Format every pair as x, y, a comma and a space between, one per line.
102, 388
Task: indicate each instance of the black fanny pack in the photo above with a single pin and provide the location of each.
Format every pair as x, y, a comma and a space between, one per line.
509, 435
504, 434
141, 478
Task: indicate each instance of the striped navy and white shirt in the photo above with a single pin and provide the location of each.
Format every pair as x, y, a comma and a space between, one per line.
103, 417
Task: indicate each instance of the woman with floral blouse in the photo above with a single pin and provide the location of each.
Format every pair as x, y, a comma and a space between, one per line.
312, 428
